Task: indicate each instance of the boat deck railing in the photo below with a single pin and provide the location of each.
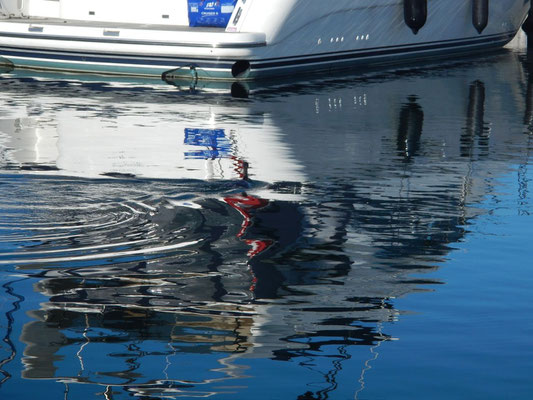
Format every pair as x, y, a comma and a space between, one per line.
107, 25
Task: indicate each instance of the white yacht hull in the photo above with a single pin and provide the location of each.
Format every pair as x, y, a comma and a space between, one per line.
263, 38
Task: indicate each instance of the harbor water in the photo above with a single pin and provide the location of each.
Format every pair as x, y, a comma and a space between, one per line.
364, 235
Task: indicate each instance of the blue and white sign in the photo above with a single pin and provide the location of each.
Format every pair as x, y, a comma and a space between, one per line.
214, 13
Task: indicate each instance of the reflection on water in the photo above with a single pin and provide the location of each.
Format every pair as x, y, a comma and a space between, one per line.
164, 244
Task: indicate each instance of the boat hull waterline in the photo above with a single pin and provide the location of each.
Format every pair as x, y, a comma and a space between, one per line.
294, 38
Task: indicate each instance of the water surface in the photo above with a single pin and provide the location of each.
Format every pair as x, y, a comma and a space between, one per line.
359, 236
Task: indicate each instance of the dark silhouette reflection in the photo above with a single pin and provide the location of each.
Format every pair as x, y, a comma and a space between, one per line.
528, 115
527, 65
475, 129
208, 302
188, 287
410, 128
127, 320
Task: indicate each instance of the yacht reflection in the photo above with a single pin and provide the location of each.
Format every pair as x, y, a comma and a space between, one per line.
100, 132
320, 219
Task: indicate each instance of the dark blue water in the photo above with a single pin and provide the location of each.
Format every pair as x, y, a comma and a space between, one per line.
363, 236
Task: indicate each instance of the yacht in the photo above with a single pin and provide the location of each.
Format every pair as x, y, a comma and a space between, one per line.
246, 39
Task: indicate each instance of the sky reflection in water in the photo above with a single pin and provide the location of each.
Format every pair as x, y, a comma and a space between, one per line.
360, 237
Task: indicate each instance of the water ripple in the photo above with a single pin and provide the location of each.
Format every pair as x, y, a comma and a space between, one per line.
89, 229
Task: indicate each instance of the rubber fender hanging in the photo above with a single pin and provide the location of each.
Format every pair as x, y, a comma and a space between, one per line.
415, 13
480, 14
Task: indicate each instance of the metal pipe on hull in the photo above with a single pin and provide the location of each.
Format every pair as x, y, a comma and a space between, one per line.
480, 14
415, 14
